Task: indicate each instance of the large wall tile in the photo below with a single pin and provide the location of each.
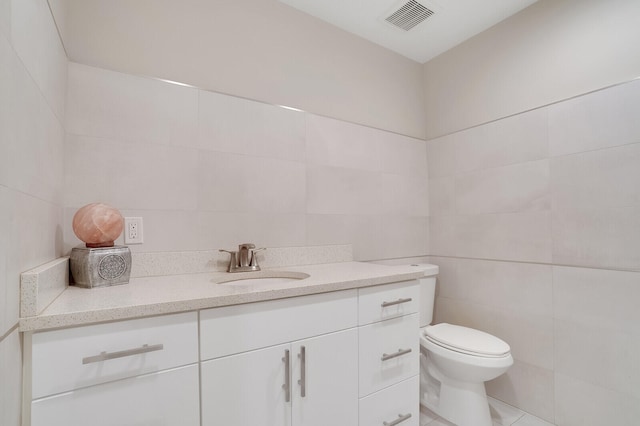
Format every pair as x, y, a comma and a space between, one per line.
403, 195
513, 236
403, 155
33, 136
608, 238
446, 281
362, 231
530, 336
441, 156
597, 298
579, 403
442, 236
338, 144
133, 109
599, 355
241, 183
522, 287
7, 61
597, 179
527, 387
5, 18
130, 176
597, 120
235, 125
442, 196
332, 190
598, 324
35, 38
515, 188
512, 140
224, 230
35, 236
6, 322
403, 236
11, 383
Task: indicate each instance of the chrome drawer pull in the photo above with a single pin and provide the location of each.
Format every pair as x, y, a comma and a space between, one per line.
386, 357
287, 377
399, 420
104, 356
397, 302
303, 371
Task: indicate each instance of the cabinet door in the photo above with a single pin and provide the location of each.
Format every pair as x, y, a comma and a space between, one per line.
167, 398
327, 368
246, 389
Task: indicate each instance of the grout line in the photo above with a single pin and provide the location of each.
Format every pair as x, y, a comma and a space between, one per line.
566, 265
9, 332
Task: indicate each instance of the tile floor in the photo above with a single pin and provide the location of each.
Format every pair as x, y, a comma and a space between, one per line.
501, 413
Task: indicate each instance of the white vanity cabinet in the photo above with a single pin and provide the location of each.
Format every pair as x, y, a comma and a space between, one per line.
134, 372
290, 362
389, 354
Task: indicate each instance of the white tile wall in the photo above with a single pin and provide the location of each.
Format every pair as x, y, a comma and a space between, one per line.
599, 120
11, 383
514, 188
131, 109
536, 192
234, 125
35, 39
607, 237
522, 236
579, 403
513, 140
246, 171
32, 108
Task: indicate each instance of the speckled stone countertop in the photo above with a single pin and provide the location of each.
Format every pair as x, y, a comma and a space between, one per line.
148, 296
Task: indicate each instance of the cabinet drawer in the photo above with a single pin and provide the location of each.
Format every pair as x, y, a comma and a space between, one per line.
388, 301
169, 397
389, 353
234, 329
399, 403
73, 358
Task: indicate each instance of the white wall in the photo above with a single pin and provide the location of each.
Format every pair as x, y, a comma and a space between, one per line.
534, 217
553, 50
258, 49
33, 69
211, 171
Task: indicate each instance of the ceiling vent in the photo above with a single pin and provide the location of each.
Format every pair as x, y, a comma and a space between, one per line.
409, 15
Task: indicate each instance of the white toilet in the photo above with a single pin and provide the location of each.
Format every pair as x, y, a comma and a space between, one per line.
455, 363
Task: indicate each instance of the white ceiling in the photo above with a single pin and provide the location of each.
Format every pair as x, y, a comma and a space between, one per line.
453, 22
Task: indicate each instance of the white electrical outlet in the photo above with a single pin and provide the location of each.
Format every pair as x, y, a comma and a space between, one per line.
133, 230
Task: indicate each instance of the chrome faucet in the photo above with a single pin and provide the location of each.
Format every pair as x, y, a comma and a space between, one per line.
245, 259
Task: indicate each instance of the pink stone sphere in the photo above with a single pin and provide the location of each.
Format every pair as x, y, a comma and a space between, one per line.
98, 225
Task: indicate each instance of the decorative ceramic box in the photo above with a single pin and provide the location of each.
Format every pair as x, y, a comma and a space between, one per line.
100, 267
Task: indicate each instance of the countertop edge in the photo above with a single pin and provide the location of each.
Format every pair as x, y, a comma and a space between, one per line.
80, 318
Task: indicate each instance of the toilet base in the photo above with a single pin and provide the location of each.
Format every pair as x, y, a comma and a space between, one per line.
462, 403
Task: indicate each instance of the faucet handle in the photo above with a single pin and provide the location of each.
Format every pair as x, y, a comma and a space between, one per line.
254, 259
246, 246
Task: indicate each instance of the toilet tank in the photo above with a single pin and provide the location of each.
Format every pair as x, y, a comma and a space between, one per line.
427, 299
427, 292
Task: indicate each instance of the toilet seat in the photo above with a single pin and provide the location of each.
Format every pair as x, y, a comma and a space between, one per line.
466, 340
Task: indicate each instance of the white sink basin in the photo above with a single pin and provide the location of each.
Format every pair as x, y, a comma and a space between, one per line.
261, 278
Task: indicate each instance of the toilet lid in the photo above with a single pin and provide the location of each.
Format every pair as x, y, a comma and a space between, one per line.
466, 340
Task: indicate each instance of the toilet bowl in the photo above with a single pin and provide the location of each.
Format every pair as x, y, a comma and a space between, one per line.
455, 362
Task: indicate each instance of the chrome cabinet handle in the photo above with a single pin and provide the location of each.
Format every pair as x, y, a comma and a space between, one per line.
386, 357
396, 302
287, 377
104, 356
399, 420
303, 371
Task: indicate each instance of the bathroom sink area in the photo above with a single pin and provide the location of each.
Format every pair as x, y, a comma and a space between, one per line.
261, 278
